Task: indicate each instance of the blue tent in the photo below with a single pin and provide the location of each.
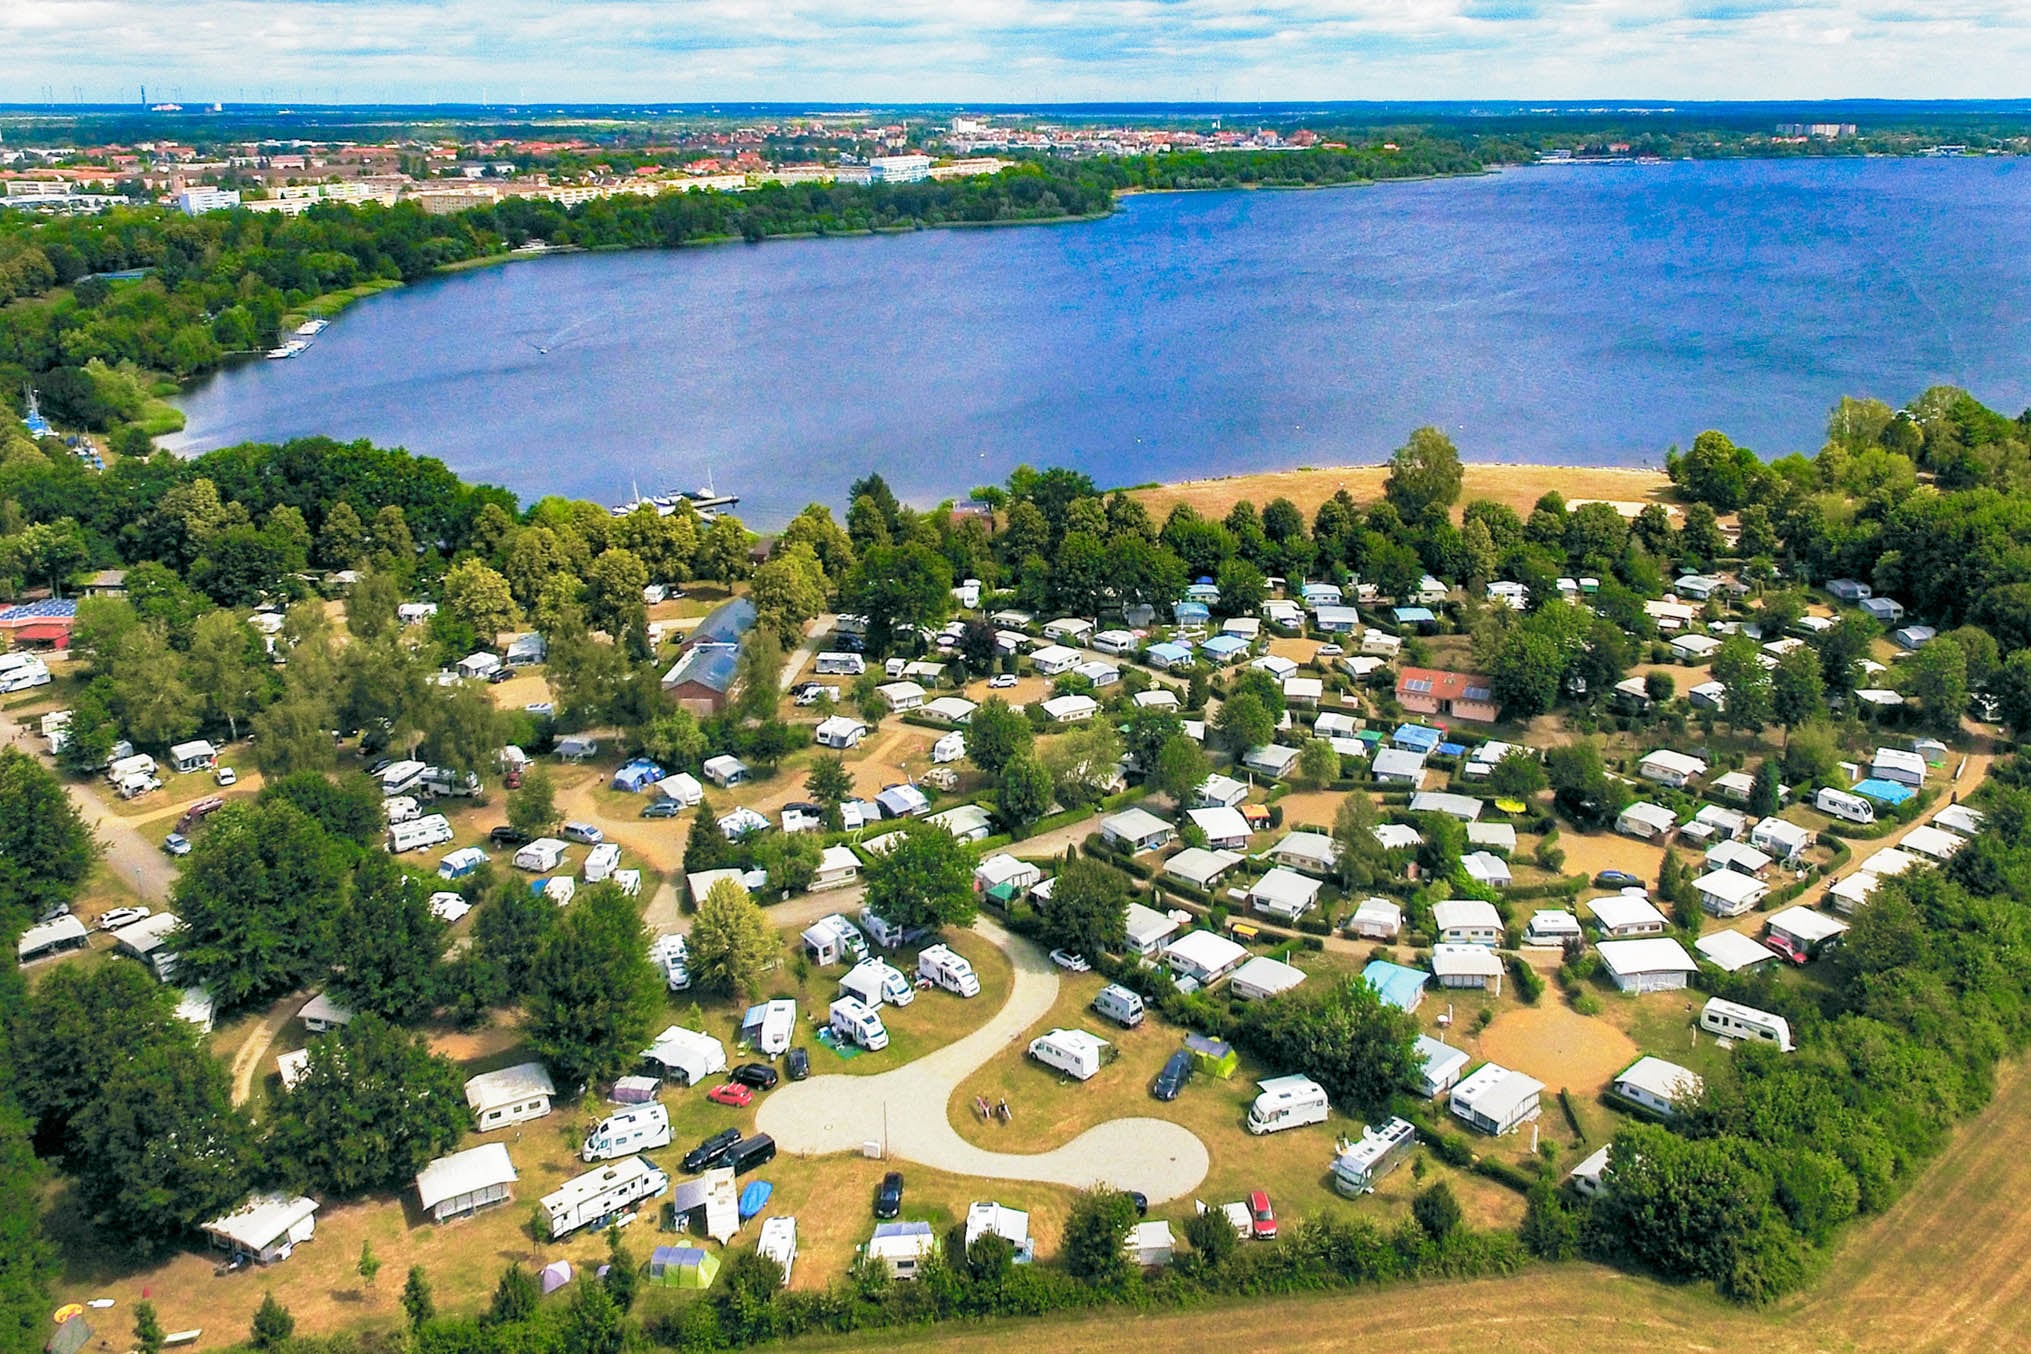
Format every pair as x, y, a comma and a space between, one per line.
636, 775
1884, 791
755, 1198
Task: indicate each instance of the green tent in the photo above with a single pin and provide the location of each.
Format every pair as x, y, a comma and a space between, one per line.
1214, 1057
683, 1267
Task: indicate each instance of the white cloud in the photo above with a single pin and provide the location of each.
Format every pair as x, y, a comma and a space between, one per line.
1014, 50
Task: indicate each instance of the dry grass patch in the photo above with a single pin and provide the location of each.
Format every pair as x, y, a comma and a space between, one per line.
1519, 486
1558, 1045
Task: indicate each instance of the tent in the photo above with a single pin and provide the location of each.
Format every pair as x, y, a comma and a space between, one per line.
1214, 1057
554, 1275
683, 1267
755, 1198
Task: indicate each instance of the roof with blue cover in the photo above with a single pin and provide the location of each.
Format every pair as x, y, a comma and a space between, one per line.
48, 609
726, 623
1413, 615
1224, 646
1417, 738
1452, 749
710, 665
1168, 652
1187, 613
1401, 987
1884, 791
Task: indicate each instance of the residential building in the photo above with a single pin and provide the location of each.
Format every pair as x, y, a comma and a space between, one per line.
1437, 691
1496, 1100
1653, 964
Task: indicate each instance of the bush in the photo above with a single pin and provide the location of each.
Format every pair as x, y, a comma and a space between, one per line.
1529, 983
1587, 1004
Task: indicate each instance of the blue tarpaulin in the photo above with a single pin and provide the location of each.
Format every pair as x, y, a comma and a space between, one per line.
755, 1198
1884, 791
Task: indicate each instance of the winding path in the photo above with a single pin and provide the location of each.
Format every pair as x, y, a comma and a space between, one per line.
906, 1108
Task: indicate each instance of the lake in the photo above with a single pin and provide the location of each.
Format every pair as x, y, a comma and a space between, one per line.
1565, 315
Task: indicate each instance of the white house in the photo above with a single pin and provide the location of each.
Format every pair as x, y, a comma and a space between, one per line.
510, 1096
1551, 926
1466, 808
1621, 916
1099, 673
1314, 853
1225, 829
839, 732
1492, 837
1440, 1066
1731, 951
1850, 891
1002, 868
1646, 821
1262, 978
1149, 1244
1200, 868
1070, 709
1148, 929
1467, 921
1053, 659
1892, 764
838, 868
1496, 1100
949, 709
1726, 824
902, 1247
725, 770
465, 1182
1653, 964
1284, 894
1802, 933
1137, 830
950, 748
1157, 698
1376, 919
1467, 966
901, 696
1397, 836
1672, 769
1276, 665
1010, 1224
1270, 759
321, 1014
1399, 766
1780, 839
1729, 893
1485, 867
1694, 648
1204, 956
197, 755
1068, 629
967, 822
1738, 856
266, 1228
1218, 792
1658, 1086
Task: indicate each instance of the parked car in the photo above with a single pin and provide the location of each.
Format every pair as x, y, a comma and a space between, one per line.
797, 1062
733, 1093
1002, 681
499, 675
662, 808
708, 1153
1177, 1071
1616, 879
1141, 1202
888, 1200
508, 836
378, 767
1065, 959
761, 1076
541, 709
1261, 1217
584, 833
121, 916
512, 777
225, 775
1328, 651
176, 844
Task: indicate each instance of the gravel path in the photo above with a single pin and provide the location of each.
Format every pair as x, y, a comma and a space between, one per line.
906, 1108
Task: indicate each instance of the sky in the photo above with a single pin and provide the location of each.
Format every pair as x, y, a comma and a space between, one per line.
1011, 51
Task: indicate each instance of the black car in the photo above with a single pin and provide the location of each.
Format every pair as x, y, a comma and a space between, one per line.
662, 808
797, 1062
707, 1153
1141, 1202
888, 1200
499, 675
1616, 879
507, 836
761, 1076
1177, 1071
378, 767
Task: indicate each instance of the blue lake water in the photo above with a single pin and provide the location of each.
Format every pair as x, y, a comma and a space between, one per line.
1584, 316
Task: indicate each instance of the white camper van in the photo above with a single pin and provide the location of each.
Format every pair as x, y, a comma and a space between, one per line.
1076, 1053
839, 664
851, 1019
770, 1026
596, 1196
1380, 1151
1287, 1102
1120, 1005
875, 981
433, 829
636, 1130
399, 778
940, 965
601, 862
1841, 804
1732, 1020
540, 856
401, 809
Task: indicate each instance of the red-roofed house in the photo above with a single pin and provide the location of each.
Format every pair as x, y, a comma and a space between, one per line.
1432, 691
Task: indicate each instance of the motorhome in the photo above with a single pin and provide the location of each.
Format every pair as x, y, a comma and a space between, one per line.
635, 1130
851, 1019
601, 862
875, 981
430, 830
1287, 1102
1841, 804
1120, 1005
839, 664
446, 783
670, 954
134, 764
401, 809
887, 934
1380, 1151
939, 965
20, 671
1076, 1053
1732, 1020
592, 1199
399, 778
540, 856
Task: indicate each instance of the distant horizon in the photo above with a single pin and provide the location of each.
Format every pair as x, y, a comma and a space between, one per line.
1005, 52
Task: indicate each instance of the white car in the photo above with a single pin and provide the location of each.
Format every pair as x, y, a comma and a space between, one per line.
1002, 682
1328, 651
1065, 959
225, 775
121, 916
582, 832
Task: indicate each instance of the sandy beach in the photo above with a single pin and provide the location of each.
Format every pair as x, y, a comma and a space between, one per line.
1519, 486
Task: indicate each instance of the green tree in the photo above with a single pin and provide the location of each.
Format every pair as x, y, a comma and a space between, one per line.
148, 1332
1095, 1239
1683, 1206
369, 1264
831, 784
1938, 676
1519, 774
592, 1321
790, 859
594, 996
46, 850
1084, 764
372, 606
997, 735
223, 667
257, 898
167, 1148
788, 591
1022, 794
515, 1297
1212, 1237
1797, 695
1763, 790
78, 1027
1242, 588
462, 729
388, 943
155, 703
1181, 768
1581, 786
1088, 910
342, 541
1318, 762
273, 1325
926, 881
674, 739
374, 1106
623, 1277
1243, 722
758, 675
732, 945
532, 806
348, 808
1746, 682
1436, 1210
417, 1302
1424, 478
1343, 1036
477, 596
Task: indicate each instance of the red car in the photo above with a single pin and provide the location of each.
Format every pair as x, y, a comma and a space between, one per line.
1784, 947
734, 1094
1261, 1217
